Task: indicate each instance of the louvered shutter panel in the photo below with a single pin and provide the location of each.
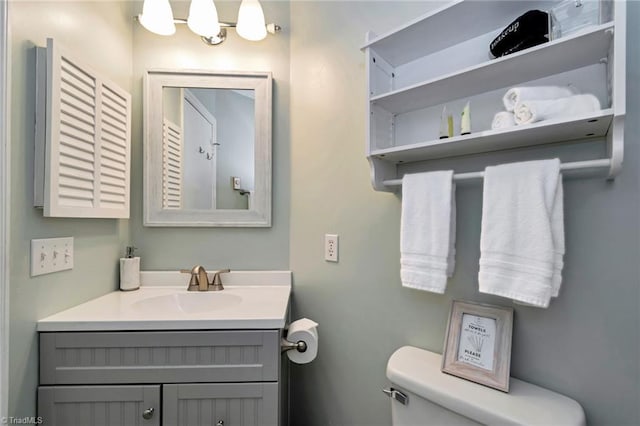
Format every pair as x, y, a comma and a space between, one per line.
87, 141
76, 134
114, 152
171, 165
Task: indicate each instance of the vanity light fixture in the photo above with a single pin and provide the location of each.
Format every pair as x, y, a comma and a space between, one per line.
157, 17
251, 24
203, 18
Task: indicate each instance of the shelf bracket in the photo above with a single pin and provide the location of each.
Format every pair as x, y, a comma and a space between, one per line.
380, 171
615, 146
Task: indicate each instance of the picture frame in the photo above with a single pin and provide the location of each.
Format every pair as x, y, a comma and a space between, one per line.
477, 344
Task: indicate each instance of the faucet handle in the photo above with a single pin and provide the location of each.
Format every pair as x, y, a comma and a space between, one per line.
193, 281
216, 283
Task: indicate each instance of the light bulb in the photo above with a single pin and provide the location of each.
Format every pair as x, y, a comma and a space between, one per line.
251, 24
157, 17
203, 18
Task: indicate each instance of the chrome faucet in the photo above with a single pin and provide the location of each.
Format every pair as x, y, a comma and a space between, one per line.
199, 280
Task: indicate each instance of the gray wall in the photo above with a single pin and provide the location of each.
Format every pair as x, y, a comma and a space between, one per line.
585, 345
89, 29
172, 105
244, 248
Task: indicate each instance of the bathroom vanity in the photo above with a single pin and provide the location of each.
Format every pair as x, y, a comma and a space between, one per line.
162, 356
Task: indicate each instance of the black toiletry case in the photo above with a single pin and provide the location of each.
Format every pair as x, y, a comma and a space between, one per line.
528, 30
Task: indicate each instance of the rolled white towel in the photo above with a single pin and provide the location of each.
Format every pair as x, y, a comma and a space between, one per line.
531, 111
535, 93
503, 120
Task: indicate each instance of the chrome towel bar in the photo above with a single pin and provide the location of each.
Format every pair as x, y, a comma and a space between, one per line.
577, 165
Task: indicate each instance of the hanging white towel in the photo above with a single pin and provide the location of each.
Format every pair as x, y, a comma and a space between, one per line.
535, 93
503, 120
527, 112
427, 234
522, 239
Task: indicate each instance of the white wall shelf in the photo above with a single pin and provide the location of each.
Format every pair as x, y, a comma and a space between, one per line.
447, 26
541, 133
442, 59
558, 56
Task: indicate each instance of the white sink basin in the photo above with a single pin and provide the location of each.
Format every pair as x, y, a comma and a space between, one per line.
188, 302
250, 300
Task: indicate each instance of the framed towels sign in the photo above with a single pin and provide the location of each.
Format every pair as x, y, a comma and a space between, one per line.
477, 346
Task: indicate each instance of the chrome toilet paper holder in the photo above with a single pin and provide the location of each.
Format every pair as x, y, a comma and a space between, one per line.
286, 345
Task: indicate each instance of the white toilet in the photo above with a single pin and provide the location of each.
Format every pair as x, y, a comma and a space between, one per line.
422, 395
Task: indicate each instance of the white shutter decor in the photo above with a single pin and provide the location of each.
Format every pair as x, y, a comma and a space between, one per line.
171, 165
83, 134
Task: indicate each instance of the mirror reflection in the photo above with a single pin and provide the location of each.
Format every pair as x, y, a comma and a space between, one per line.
208, 148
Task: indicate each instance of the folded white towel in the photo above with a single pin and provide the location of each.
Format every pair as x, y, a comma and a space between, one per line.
522, 239
527, 112
535, 93
427, 231
503, 120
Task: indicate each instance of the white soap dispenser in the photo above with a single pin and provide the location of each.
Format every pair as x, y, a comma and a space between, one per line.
129, 271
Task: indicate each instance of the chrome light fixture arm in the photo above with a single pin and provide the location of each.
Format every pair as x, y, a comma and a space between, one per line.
222, 35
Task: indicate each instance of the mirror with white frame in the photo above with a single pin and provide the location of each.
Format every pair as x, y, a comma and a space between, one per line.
207, 149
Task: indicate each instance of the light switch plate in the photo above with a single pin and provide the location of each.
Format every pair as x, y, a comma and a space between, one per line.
51, 255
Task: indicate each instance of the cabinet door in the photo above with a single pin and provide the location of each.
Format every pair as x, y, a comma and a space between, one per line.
233, 404
83, 139
99, 405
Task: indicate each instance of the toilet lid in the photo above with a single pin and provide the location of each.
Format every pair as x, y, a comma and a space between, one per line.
418, 371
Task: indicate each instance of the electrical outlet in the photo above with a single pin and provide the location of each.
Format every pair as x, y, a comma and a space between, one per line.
235, 182
51, 255
331, 247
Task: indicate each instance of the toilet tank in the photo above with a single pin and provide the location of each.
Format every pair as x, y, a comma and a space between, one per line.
441, 399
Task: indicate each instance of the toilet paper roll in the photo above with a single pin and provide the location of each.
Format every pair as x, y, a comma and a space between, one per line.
129, 273
303, 330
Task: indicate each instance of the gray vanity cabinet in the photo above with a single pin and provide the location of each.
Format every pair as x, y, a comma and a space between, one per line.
247, 404
99, 405
168, 378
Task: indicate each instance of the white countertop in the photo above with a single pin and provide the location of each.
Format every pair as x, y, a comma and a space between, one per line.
250, 300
